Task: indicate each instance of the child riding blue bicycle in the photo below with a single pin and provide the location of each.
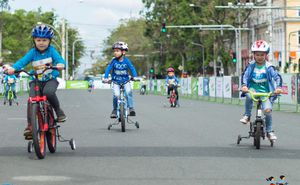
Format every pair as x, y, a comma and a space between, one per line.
261, 76
120, 65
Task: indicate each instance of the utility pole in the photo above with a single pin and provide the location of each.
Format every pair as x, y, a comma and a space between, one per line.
63, 46
67, 55
270, 30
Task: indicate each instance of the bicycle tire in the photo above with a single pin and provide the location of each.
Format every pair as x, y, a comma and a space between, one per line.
38, 136
10, 97
51, 133
122, 117
257, 134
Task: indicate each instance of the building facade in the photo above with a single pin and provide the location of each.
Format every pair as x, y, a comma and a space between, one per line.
278, 26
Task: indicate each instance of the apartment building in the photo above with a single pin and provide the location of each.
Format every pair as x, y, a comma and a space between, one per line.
283, 34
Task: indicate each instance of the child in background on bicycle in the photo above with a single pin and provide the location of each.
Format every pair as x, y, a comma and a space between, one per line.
261, 76
120, 65
42, 55
9, 81
172, 82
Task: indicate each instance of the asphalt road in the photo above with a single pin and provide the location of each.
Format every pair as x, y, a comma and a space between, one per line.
193, 144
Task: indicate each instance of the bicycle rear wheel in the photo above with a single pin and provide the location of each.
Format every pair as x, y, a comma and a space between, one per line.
51, 133
257, 134
38, 136
122, 117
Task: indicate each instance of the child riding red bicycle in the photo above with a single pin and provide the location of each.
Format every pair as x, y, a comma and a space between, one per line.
42, 55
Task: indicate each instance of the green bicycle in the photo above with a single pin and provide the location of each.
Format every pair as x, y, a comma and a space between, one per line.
258, 126
10, 96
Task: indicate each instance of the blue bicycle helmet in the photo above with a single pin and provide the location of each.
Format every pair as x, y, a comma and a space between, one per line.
42, 31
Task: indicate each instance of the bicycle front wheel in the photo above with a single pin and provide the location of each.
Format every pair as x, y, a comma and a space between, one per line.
122, 117
38, 136
257, 134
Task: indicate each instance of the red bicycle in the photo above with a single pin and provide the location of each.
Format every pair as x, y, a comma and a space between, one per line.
41, 117
173, 97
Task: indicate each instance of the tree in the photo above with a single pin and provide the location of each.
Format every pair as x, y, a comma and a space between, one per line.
177, 47
140, 47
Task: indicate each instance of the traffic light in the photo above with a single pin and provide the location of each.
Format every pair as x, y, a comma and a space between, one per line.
163, 27
151, 71
234, 57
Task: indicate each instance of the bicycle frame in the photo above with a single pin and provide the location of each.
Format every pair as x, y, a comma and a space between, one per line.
122, 99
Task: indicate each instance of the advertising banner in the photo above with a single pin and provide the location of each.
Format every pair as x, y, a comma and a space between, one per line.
235, 93
189, 80
77, 85
200, 86
289, 89
227, 86
205, 86
212, 87
219, 87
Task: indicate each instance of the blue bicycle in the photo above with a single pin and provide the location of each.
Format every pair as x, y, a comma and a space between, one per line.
122, 109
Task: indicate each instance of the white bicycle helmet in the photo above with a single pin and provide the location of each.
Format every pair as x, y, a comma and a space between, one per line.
260, 45
120, 45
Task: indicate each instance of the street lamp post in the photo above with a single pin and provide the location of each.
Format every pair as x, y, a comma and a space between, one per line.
73, 56
202, 47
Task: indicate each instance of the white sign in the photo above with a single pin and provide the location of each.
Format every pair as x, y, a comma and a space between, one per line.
200, 86
219, 87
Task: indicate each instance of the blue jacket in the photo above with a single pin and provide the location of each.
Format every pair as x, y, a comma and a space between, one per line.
172, 78
120, 70
274, 78
38, 61
11, 78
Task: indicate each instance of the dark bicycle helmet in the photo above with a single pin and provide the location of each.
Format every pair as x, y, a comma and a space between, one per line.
42, 31
120, 45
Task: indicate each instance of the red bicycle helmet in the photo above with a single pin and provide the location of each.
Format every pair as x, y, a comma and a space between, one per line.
170, 69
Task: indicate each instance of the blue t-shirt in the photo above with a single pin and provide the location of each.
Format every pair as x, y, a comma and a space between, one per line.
172, 80
39, 61
120, 70
259, 80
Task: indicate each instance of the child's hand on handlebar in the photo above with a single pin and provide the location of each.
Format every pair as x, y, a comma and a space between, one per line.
278, 91
60, 66
245, 89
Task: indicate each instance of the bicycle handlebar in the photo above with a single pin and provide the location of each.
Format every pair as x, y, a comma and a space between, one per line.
256, 96
110, 81
35, 73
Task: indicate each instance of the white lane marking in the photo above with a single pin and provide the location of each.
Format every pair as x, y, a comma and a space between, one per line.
42, 178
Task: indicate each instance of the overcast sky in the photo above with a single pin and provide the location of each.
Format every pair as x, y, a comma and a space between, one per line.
93, 18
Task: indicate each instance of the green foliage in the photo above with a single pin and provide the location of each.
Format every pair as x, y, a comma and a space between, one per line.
140, 47
177, 43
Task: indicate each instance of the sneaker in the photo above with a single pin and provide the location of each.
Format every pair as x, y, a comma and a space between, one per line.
4, 103
61, 117
245, 119
28, 133
113, 114
271, 136
131, 112
168, 97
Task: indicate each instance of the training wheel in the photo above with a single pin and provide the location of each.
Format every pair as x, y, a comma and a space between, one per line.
72, 144
239, 139
109, 126
137, 124
30, 147
272, 143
